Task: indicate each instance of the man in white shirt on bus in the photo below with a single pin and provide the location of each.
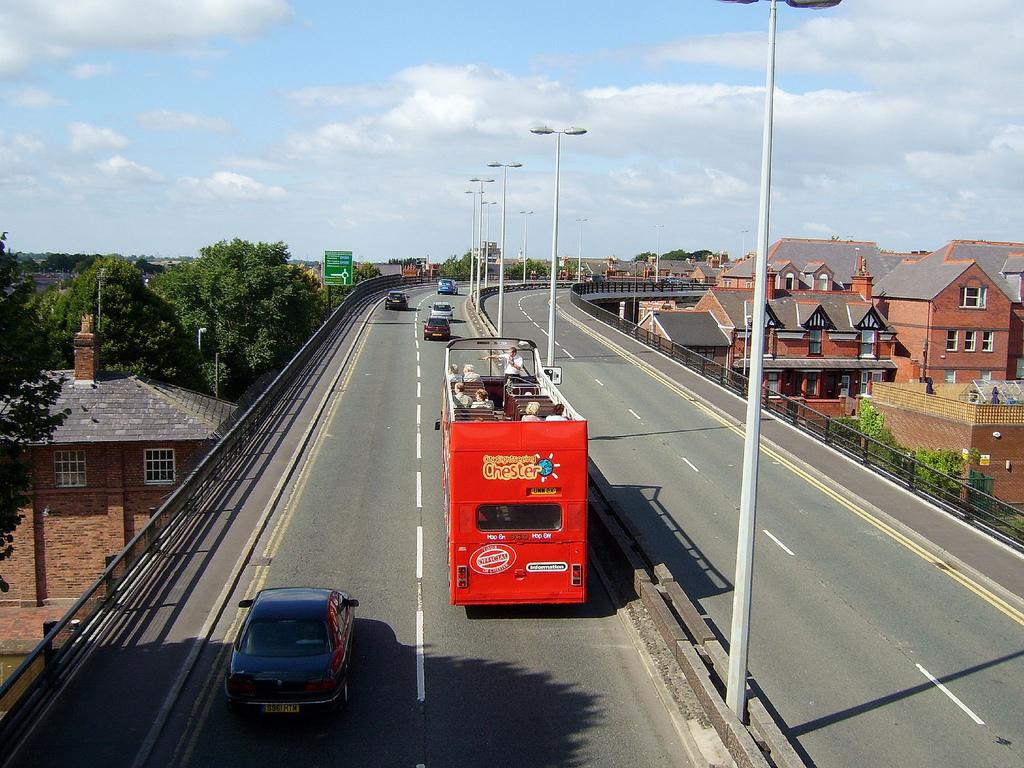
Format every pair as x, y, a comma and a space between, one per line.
511, 359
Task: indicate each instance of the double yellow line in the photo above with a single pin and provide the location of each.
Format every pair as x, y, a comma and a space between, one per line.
946, 568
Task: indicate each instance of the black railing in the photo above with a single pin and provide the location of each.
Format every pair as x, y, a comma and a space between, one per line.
953, 494
630, 286
40, 674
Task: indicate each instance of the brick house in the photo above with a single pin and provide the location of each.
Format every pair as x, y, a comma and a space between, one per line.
825, 346
698, 331
127, 444
957, 312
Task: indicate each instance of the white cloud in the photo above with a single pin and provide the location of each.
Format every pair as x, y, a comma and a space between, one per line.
30, 30
226, 185
170, 120
89, 71
33, 98
85, 137
118, 167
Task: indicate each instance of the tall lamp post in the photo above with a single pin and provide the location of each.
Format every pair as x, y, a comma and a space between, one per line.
501, 253
546, 131
735, 696
579, 253
486, 264
474, 265
526, 219
657, 254
472, 238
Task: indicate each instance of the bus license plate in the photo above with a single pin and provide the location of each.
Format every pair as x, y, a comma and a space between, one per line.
269, 708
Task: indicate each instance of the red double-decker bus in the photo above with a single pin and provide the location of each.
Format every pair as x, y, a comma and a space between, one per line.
515, 479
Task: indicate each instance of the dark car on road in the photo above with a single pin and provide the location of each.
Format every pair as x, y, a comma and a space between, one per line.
293, 652
396, 300
437, 327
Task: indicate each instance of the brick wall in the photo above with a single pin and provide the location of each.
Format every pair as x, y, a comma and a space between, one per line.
63, 541
919, 430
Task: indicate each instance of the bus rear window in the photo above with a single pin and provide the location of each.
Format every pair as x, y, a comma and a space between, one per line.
518, 517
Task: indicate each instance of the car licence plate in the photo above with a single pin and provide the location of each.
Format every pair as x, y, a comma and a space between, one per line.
270, 708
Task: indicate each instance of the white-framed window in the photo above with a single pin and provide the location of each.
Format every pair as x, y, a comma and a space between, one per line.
986, 375
814, 345
790, 281
867, 343
159, 465
973, 296
773, 381
970, 341
823, 282
865, 377
69, 469
988, 341
950, 377
952, 340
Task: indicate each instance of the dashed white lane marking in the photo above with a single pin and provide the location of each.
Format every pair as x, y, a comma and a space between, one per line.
599, 382
417, 371
785, 549
569, 354
634, 413
417, 354
690, 463
951, 695
419, 446
543, 331
419, 410
418, 391
419, 551
535, 323
419, 490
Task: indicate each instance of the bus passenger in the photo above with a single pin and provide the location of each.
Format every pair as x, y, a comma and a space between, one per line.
557, 413
462, 400
453, 373
468, 374
532, 409
482, 400
511, 360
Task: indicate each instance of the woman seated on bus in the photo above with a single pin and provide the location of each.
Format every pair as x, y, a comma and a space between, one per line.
482, 400
532, 409
557, 413
453, 373
468, 374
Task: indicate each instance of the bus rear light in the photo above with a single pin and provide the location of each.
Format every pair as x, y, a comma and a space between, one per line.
462, 576
577, 575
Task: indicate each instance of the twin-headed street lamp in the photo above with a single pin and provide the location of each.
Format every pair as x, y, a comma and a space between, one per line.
546, 131
501, 253
473, 266
740, 632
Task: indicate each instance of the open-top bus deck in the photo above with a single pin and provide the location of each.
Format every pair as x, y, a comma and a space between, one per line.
515, 490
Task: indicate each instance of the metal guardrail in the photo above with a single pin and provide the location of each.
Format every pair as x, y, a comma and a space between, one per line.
953, 494
640, 286
40, 674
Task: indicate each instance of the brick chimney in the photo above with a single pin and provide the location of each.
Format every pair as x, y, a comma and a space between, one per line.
87, 353
769, 284
863, 282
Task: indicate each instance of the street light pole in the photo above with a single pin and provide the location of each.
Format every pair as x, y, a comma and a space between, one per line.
526, 220
657, 254
472, 239
544, 131
579, 253
739, 638
475, 286
501, 253
486, 264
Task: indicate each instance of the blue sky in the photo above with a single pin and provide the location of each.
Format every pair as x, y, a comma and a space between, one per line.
130, 127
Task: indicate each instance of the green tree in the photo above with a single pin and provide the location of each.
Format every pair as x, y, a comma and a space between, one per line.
535, 270
138, 330
645, 256
27, 396
456, 267
364, 271
257, 309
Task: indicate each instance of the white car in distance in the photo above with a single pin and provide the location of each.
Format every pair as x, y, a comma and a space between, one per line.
441, 309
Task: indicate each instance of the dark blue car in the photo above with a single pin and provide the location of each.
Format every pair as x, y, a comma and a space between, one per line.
293, 652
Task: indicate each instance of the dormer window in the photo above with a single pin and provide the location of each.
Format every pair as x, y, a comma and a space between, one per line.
823, 282
790, 281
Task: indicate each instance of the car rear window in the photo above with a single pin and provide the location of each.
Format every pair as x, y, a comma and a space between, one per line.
285, 638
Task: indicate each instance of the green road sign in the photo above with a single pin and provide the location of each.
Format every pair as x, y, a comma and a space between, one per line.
337, 267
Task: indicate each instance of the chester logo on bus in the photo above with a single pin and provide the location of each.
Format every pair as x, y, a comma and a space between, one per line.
511, 467
492, 558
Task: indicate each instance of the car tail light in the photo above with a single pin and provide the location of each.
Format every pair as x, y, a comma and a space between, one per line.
462, 576
240, 686
577, 575
320, 684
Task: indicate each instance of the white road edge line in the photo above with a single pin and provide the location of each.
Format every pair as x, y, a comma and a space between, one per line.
785, 549
951, 695
421, 682
690, 463
634, 413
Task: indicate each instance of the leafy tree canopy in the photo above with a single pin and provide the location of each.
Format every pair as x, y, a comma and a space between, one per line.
138, 330
364, 271
257, 308
27, 396
645, 256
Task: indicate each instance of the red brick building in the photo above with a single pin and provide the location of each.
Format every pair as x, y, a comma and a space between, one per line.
126, 445
957, 313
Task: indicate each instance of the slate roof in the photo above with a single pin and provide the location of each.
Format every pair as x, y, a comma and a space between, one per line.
121, 407
929, 276
693, 329
844, 309
841, 256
